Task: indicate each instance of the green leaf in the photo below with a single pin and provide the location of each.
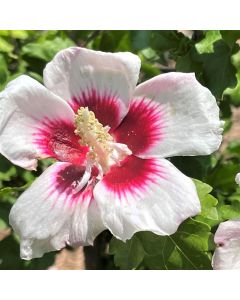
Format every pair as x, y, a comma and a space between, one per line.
4, 32
190, 62
203, 189
225, 110
230, 212
10, 257
206, 44
149, 71
42, 263
6, 176
46, 49
209, 213
140, 39
209, 210
235, 196
8, 190
188, 248
218, 71
4, 73
111, 41
3, 224
148, 54
168, 40
36, 76
7, 170
223, 176
236, 60
230, 36
159, 251
191, 166
10, 254
4, 215
19, 34
233, 148
234, 93
5, 46
16, 34
127, 255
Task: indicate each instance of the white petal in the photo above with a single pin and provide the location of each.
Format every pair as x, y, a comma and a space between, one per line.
24, 105
53, 213
237, 178
149, 195
104, 82
188, 115
227, 254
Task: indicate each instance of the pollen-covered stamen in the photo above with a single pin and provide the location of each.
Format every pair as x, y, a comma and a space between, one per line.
94, 135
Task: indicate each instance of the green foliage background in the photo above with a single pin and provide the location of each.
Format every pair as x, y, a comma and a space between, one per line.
215, 59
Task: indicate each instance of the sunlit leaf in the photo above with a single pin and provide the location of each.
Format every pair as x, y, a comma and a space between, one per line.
206, 44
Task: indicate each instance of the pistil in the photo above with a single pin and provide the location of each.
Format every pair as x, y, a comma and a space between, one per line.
94, 135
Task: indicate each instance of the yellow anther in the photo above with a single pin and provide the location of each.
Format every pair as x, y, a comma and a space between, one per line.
94, 135
86, 123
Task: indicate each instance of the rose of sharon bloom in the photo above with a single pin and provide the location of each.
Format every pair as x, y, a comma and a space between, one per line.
110, 140
227, 253
227, 238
